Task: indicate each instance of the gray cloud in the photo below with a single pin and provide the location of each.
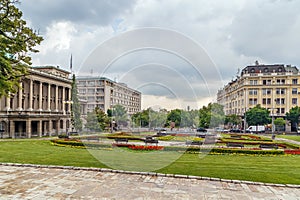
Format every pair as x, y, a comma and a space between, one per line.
88, 12
268, 30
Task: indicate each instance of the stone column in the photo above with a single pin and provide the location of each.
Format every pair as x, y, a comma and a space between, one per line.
30, 94
12, 128
56, 98
8, 102
20, 97
28, 128
40, 123
50, 127
63, 100
49, 93
41, 96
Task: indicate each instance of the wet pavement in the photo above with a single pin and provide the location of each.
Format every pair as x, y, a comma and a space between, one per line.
54, 182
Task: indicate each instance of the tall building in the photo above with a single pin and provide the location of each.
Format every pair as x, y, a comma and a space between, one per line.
40, 107
105, 93
275, 87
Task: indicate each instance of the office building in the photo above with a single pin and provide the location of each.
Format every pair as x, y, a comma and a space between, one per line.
104, 93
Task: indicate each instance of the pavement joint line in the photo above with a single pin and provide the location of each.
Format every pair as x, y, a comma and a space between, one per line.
150, 174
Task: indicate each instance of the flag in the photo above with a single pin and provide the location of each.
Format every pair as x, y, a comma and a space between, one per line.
71, 64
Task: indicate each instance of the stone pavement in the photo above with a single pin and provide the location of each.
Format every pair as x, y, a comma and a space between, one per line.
54, 182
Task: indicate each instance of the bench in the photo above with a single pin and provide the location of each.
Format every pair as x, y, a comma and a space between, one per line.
235, 145
235, 136
194, 143
268, 146
150, 140
121, 140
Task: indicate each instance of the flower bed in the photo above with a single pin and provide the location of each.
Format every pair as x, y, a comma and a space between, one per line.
147, 148
138, 147
292, 151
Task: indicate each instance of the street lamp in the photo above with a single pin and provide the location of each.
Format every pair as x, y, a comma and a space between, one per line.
273, 126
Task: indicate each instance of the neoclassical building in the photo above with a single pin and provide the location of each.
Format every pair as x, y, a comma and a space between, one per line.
275, 87
40, 107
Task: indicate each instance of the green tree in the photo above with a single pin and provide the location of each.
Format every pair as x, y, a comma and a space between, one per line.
233, 119
141, 119
258, 116
293, 117
16, 41
119, 114
157, 118
92, 121
174, 116
211, 116
279, 123
76, 110
97, 120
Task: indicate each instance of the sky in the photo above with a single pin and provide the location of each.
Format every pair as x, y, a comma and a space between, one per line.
177, 53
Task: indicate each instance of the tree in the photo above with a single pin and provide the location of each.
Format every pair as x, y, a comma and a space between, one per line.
232, 119
293, 117
141, 119
120, 115
211, 116
279, 122
92, 121
16, 41
258, 116
76, 111
97, 120
174, 116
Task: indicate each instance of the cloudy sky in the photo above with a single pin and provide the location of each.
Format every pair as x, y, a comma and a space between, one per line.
177, 53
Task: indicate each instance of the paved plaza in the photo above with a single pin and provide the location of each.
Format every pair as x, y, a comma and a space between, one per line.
53, 182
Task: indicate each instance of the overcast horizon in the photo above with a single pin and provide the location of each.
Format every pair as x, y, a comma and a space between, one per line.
177, 53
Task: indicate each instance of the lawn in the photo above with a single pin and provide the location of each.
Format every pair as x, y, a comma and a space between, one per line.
290, 137
273, 169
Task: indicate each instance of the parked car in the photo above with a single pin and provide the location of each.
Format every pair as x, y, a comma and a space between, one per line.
256, 129
236, 130
201, 129
221, 130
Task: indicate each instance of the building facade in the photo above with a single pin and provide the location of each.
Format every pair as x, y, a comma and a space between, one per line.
275, 87
40, 107
105, 93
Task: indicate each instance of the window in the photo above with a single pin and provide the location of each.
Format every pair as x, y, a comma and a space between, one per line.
282, 110
253, 92
294, 91
90, 91
253, 82
280, 91
91, 83
90, 98
267, 101
267, 82
294, 101
81, 91
252, 101
280, 81
280, 101
295, 81
266, 91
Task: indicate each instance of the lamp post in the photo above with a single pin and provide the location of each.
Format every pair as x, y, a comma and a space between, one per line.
273, 126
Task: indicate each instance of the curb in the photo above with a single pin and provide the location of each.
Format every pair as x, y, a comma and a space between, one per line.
149, 174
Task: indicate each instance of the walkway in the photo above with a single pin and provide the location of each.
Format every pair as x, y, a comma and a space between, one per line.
40, 182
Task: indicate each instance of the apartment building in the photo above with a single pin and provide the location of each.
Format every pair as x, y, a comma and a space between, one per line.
275, 87
40, 107
104, 93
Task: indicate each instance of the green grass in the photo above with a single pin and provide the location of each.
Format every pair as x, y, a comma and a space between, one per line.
290, 137
273, 169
